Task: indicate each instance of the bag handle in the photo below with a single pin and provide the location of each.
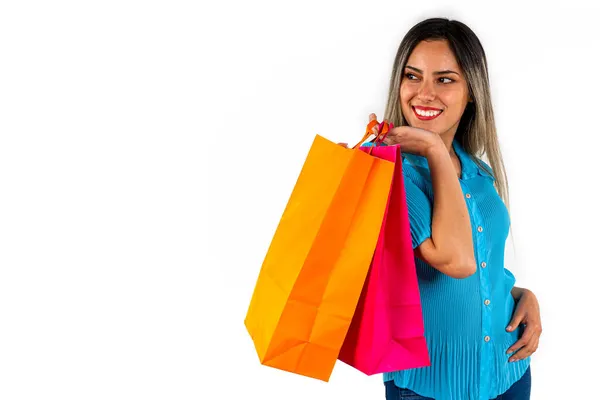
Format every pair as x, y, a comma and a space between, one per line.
384, 128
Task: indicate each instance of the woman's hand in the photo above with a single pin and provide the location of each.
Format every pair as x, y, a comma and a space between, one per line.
411, 140
526, 312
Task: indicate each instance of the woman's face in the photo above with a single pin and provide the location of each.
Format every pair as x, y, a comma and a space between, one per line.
432, 78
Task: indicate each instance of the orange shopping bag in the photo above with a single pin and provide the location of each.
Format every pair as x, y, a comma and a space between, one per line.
314, 270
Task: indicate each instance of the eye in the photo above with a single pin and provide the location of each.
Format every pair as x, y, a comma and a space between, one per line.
408, 76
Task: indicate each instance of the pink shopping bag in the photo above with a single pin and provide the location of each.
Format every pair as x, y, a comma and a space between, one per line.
387, 332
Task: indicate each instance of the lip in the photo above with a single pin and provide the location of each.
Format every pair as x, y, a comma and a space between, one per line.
424, 108
422, 118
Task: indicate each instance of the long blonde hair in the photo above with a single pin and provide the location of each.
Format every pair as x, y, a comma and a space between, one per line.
477, 129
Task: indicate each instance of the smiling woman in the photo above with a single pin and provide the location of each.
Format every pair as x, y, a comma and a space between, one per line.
426, 94
440, 104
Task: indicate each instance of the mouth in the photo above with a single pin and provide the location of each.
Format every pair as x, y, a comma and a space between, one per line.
426, 115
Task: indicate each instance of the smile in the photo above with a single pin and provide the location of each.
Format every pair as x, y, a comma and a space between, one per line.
426, 115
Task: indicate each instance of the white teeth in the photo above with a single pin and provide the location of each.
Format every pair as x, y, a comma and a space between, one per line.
427, 113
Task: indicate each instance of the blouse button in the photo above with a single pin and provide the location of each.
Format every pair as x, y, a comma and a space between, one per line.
480, 229
468, 195
483, 264
487, 338
487, 302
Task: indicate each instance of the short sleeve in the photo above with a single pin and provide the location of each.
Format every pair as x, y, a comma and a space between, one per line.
419, 212
419, 209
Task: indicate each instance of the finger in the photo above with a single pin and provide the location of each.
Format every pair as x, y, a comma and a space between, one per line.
536, 345
525, 351
517, 346
516, 320
525, 338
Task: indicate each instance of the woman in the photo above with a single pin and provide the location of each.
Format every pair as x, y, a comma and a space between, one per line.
439, 102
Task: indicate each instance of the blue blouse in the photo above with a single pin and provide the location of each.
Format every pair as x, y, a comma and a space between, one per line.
465, 319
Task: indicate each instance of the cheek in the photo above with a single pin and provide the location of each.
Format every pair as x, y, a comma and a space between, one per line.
449, 97
453, 97
404, 106
406, 94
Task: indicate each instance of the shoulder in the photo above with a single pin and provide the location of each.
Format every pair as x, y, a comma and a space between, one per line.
485, 169
486, 166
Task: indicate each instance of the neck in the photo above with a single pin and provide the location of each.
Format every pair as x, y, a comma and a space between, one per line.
448, 139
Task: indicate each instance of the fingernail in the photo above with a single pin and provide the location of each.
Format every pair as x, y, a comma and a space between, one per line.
508, 328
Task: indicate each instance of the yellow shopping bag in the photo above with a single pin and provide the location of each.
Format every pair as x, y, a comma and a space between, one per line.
312, 276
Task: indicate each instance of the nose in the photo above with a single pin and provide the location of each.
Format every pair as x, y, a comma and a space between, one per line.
426, 91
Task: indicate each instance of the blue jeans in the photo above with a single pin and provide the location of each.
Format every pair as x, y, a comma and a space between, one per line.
520, 390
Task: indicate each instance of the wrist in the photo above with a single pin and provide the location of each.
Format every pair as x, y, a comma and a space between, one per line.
436, 147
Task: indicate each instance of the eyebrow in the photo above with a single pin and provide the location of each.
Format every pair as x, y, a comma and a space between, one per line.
447, 71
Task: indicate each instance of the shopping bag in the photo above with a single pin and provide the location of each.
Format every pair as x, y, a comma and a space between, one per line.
387, 331
314, 270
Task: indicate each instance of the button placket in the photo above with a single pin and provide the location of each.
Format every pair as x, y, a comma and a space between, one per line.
484, 285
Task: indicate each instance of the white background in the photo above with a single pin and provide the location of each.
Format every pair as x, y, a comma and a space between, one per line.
148, 150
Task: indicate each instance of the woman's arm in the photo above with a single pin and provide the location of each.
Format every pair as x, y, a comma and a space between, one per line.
450, 248
517, 292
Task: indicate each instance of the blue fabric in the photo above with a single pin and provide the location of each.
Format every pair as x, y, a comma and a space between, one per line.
464, 366
521, 390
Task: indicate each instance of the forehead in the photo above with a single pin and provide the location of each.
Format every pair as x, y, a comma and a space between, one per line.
433, 55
